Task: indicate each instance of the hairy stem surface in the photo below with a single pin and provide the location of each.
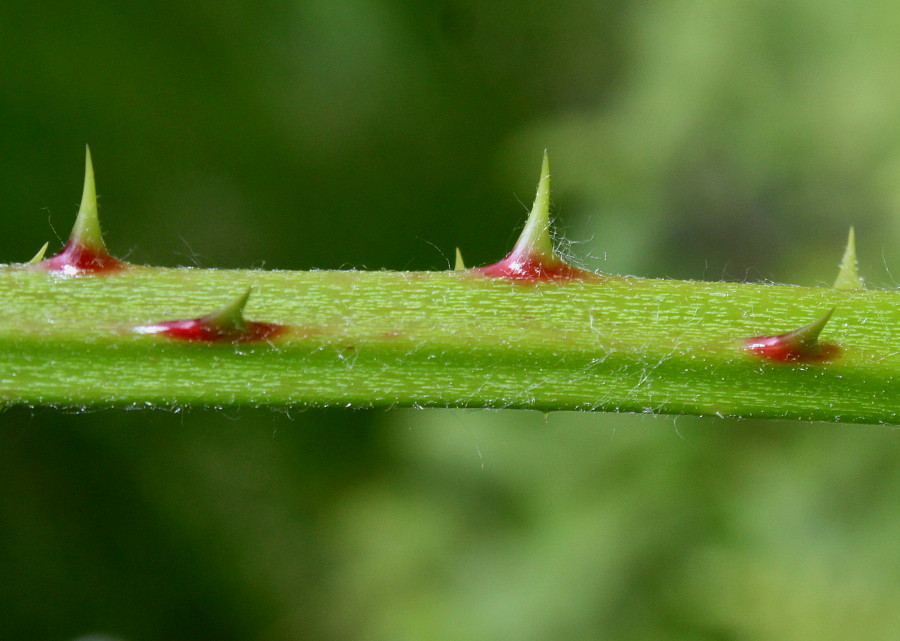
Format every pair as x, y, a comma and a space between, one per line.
455, 339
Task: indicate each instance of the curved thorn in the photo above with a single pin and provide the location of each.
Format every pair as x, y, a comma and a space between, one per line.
799, 345
39, 256
807, 336
230, 318
225, 325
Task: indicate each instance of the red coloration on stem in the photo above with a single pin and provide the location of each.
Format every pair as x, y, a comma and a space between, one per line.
798, 346
225, 325
201, 330
76, 258
533, 260
534, 269
785, 348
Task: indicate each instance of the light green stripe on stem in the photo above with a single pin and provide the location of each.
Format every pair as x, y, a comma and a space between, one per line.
446, 339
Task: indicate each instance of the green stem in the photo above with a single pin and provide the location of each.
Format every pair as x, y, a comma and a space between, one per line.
457, 339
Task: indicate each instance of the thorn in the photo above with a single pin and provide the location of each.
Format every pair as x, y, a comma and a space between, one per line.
85, 251
799, 345
848, 276
533, 258
39, 256
86, 231
229, 320
225, 325
459, 266
535, 238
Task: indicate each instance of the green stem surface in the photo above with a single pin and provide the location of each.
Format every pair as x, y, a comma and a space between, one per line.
448, 339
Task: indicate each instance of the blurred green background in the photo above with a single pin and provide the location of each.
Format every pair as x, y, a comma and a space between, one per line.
688, 139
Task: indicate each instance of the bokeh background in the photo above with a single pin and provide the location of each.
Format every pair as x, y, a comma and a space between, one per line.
688, 139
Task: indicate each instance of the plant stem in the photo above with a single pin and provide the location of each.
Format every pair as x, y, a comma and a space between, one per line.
367, 339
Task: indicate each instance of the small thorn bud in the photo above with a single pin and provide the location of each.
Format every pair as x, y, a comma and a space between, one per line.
85, 251
798, 346
459, 265
39, 256
533, 258
848, 276
225, 325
